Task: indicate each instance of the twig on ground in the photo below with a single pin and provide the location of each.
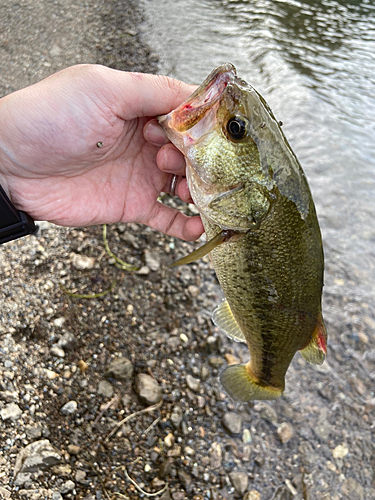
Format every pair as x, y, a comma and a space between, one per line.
118, 262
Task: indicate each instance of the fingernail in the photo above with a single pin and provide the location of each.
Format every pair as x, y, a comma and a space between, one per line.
154, 133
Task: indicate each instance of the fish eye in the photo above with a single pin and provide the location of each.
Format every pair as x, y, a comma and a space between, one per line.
236, 128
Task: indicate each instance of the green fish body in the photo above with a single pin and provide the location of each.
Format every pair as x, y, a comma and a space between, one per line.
261, 226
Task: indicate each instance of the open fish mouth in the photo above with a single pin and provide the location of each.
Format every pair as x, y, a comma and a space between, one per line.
201, 101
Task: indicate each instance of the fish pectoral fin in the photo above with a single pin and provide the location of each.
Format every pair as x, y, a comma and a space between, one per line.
223, 318
316, 350
242, 385
217, 240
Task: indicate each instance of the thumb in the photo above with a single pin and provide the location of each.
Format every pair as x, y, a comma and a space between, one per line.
141, 94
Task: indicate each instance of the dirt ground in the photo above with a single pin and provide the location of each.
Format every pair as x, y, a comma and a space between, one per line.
118, 396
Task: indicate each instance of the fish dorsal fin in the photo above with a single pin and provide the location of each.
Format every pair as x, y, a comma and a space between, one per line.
224, 319
217, 240
316, 349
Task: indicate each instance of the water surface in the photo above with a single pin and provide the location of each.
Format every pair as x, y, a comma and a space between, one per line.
314, 62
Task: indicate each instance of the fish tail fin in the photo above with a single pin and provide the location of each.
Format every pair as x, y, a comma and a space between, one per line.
242, 385
316, 350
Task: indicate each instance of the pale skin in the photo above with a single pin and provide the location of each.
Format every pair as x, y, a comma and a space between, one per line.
83, 147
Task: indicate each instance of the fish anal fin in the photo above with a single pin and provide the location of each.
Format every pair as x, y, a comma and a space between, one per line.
242, 385
223, 318
217, 240
316, 350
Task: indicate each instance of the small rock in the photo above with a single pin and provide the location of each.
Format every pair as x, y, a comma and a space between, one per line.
240, 481
176, 417
232, 423
340, 451
80, 476
35, 457
147, 389
11, 411
152, 260
120, 368
215, 361
252, 495
105, 389
185, 480
34, 431
178, 495
267, 412
67, 487
246, 453
56, 496
193, 291
73, 449
57, 351
215, 456
69, 408
193, 383
352, 489
4, 493
169, 440
246, 436
143, 270
55, 51
59, 323
68, 341
83, 262
285, 432
157, 483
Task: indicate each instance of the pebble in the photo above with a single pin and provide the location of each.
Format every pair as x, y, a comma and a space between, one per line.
176, 416
285, 432
147, 389
80, 476
246, 436
59, 321
143, 271
120, 368
56, 495
35, 457
67, 487
252, 495
68, 341
69, 408
352, 489
240, 481
266, 412
186, 480
193, 291
193, 383
82, 262
105, 389
232, 423
152, 260
169, 440
11, 411
34, 431
57, 351
215, 456
73, 449
215, 361
340, 451
4, 493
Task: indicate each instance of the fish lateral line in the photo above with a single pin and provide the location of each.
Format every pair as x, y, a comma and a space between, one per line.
224, 236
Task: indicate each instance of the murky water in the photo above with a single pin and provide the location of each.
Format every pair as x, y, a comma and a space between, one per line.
314, 62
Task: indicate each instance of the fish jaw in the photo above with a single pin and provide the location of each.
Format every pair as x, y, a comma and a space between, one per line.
196, 107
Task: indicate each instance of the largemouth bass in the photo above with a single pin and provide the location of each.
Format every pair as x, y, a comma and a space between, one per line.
261, 226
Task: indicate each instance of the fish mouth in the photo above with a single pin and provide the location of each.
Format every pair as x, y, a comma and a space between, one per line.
201, 101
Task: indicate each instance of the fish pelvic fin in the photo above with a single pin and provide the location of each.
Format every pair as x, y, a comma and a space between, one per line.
242, 385
316, 350
223, 318
200, 252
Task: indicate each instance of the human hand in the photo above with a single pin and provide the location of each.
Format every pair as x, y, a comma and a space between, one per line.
73, 150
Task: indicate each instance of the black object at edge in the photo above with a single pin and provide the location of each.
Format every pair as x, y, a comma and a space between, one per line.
13, 223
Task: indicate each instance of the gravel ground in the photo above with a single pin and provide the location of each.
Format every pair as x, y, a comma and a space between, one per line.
103, 397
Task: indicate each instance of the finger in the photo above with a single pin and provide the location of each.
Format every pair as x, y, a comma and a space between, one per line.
153, 133
180, 188
174, 223
170, 159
